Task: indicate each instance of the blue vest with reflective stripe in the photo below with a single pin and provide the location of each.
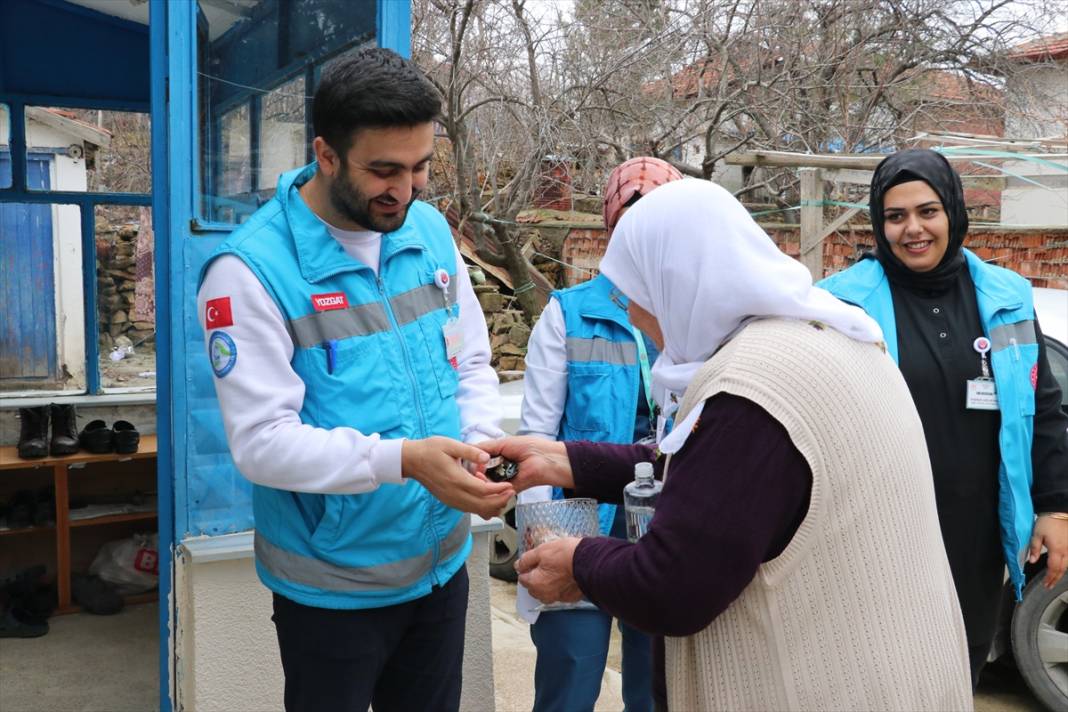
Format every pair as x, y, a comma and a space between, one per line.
603, 373
1007, 314
372, 355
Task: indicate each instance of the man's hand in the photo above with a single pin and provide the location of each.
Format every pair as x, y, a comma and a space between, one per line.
1053, 534
546, 571
435, 464
541, 462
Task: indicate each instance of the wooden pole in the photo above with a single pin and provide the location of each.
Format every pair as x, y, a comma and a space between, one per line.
858, 161
812, 221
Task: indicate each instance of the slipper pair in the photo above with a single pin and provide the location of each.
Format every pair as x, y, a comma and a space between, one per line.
98, 438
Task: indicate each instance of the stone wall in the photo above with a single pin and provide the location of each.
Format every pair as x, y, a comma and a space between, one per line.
116, 269
508, 332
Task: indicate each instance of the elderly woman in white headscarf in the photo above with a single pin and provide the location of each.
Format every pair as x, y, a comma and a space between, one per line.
794, 561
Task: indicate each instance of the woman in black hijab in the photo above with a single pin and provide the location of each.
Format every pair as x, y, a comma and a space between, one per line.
966, 339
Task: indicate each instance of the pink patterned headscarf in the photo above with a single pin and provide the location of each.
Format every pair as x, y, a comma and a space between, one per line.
636, 176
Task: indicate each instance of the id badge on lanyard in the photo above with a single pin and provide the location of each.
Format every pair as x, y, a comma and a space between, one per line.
982, 393
451, 329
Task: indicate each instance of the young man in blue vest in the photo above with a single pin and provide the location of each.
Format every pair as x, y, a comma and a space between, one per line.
587, 378
351, 363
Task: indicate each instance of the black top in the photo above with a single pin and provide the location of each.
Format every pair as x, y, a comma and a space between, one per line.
936, 330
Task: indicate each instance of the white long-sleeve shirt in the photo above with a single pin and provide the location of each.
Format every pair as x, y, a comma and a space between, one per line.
544, 397
261, 396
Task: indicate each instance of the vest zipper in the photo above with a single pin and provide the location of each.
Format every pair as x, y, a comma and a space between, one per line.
407, 356
436, 545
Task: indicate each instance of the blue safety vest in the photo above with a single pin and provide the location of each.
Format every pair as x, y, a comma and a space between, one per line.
1007, 314
371, 353
603, 371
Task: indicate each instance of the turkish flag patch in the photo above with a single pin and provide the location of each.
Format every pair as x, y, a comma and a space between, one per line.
333, 300
1034, 377
217, 313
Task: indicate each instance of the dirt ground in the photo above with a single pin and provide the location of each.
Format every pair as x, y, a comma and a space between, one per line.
134, 370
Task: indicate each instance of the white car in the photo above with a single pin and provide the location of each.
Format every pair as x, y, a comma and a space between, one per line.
1038, 633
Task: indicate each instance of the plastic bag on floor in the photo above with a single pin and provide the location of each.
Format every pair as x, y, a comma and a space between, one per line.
130, 565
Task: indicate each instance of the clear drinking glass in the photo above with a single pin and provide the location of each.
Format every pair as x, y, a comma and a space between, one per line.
540, 522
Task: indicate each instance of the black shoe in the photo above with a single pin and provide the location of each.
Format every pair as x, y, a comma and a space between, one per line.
64, 430
23, 506
44, 513
126, 437
33, 432
12, 627
95, 595
97, 437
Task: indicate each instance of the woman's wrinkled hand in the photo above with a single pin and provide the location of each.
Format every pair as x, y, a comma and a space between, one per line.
547, 573
541, 461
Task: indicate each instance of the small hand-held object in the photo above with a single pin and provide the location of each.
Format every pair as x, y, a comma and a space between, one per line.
499, 469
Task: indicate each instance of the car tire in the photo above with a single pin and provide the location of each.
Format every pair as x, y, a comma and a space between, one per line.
504, 547
1040, 641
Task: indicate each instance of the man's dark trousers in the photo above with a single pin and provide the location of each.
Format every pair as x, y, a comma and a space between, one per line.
398, 658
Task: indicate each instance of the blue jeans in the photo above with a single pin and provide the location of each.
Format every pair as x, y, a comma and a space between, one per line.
572, 651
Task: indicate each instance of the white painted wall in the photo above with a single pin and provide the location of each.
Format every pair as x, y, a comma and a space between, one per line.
226, 652
1036, 107
1024, 203
730, 177
67, 174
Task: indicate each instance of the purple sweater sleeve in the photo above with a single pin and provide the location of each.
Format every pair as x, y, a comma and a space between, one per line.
602, 470
737, 492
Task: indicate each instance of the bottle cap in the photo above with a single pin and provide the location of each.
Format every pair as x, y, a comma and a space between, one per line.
643, 469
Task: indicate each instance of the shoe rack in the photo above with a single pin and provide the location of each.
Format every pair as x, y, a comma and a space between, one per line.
87, 470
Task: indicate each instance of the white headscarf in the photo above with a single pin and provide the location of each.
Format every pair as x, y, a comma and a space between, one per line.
691, 255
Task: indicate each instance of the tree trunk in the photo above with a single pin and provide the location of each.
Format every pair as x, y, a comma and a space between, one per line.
519, 270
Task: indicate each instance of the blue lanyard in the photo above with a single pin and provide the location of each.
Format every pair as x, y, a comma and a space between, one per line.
647, 378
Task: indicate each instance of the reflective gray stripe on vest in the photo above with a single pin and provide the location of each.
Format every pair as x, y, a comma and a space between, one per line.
308, 571
361, 320
409, 306
619, 353
1022, 332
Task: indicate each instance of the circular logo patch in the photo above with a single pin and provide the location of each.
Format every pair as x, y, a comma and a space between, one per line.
223, 353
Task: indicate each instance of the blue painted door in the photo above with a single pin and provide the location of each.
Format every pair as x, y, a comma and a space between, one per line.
27, 289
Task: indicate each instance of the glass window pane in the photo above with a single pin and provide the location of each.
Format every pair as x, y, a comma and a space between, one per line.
282, 144
234, 182
5, 147
93, 150
42, 332
125, 297
252, 64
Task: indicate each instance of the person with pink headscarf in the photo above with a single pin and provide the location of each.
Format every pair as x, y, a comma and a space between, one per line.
588, 378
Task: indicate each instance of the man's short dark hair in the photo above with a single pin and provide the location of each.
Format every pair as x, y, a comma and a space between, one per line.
371, 88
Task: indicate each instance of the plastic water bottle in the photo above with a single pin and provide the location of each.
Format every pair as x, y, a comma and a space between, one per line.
639, 499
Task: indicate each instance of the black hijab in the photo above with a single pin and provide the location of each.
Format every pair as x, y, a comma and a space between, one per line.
934, 170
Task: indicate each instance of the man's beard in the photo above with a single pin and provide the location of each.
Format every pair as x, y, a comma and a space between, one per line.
348, 200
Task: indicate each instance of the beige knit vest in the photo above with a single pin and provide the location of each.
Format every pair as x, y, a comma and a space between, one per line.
859, 612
